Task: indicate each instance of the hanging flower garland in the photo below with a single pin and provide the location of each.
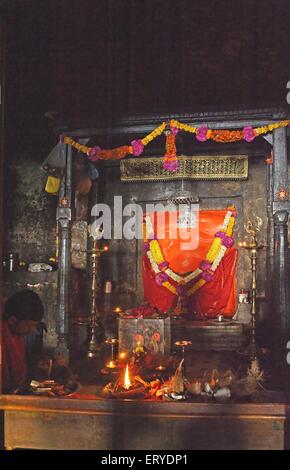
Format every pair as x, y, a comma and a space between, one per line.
201, 275
170, 161
96, 153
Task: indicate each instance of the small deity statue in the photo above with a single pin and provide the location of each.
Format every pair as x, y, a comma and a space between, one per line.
139, 350
154, 344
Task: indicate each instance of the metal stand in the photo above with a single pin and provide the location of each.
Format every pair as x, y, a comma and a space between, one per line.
93, 321
253, 247
183, 345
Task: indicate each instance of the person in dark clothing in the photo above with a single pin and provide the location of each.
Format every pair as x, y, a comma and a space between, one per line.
23, 313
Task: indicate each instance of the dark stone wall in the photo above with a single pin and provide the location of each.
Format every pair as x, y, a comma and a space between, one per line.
45, 285
93, 60
29, 212
29, 231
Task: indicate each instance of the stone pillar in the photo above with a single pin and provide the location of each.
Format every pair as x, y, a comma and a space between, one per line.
270, 244
280, 164
64, 262
280, 278
280, 281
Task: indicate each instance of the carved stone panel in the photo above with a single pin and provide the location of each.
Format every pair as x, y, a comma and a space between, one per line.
79, 235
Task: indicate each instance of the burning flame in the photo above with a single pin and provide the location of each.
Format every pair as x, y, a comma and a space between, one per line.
127, 382
111, 365
122, 355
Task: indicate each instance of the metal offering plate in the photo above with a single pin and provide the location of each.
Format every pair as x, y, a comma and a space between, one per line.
51, 388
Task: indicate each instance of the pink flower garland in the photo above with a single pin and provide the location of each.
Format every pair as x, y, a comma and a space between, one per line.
249, 133
137, 147
201, 133
160, 278
206, 274
226, 241
94, 153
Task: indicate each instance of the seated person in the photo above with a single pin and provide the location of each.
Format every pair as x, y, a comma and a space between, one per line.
23, 313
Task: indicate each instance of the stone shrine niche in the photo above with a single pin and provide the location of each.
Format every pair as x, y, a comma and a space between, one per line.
123, 264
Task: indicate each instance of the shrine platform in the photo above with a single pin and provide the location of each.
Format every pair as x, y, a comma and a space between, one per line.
91, 423
208, 336
88, 421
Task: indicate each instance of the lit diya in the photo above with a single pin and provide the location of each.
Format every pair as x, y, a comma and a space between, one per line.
183, 344
112, 342
118, 310
160, 368
124, 387
161, 371
112, 367
123, 356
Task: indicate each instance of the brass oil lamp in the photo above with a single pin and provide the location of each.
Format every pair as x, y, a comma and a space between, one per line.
253, 247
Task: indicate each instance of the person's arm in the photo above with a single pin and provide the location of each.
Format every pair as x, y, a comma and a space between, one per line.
6, 376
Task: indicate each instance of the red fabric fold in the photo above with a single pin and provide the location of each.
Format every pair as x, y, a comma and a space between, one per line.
217, 296
14, 362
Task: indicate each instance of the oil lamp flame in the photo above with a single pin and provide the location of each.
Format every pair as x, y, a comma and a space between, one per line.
127, 382
122, 356
111, 365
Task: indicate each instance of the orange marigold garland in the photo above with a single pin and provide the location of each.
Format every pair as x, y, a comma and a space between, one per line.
182, 127
170, 161
226, 136
155, 133
73, 143
116, 153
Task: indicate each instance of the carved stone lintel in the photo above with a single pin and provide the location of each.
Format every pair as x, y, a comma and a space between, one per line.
281, 206
268, 138
195, 167
281, 218
237, 118
63, 214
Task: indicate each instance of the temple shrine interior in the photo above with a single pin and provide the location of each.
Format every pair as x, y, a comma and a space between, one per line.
144, 240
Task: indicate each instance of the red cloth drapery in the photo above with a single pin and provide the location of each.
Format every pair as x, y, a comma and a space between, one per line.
217, 296
14, 363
